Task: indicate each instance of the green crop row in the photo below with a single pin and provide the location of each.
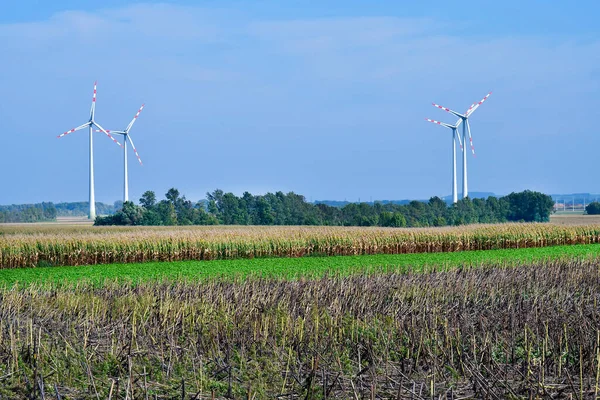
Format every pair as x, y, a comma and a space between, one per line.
291, 268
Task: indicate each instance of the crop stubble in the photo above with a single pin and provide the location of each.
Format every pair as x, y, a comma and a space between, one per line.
488, 332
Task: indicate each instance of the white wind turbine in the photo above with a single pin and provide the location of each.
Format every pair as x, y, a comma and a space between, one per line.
466, 128
90, 124
454, 137
126, 137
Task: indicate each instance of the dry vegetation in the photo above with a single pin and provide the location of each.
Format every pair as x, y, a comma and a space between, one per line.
83, 245
503, 332
574, 219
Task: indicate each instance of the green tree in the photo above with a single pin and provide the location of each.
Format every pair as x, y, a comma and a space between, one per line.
593, 208
529, 206
166, 212
264, 212
172, 195
231, 212
151, 217
130, 214
148, 199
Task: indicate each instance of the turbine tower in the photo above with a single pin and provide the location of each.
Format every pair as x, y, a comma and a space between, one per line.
466, 128
90, 124
126, 137
454, 137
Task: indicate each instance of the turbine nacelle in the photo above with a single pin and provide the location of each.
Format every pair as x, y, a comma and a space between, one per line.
475, 106
126, 135
126, 138
462, 119
459, 115
453, 127
91, 124
465, 118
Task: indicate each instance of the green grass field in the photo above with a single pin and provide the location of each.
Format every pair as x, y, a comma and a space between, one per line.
294, 267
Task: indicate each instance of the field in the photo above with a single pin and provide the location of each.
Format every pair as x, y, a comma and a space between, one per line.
86, 245
496, 311
497, 331
294, 268
574, 219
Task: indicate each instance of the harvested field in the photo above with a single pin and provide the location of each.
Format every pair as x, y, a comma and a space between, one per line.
59, 223
575, 219
529, 331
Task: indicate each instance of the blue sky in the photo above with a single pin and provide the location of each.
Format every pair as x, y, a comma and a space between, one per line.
327, 99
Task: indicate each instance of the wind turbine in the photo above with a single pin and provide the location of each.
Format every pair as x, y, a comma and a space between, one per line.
454, 137
90, 124
126, 137
466, 128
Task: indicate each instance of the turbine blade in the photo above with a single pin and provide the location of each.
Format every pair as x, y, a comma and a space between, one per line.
73, 130
470, 138
457, 133
438, 122
107, 134
113, 132
134, 150
447, 110
134, 118
475, 106
93, 109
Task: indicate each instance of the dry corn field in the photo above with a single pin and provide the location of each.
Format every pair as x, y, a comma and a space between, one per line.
85, 245
530, 331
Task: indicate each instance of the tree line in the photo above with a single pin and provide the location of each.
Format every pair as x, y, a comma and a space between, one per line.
48, 211
292, 209
82, 208
28, 213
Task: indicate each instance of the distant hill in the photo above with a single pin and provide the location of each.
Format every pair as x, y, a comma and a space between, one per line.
447, 199
338, 203
578, 197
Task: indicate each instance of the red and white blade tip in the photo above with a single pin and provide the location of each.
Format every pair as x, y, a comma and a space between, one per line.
441, 107
472, 148
434, 121
139, 111
66, 133
479, 102
136, 154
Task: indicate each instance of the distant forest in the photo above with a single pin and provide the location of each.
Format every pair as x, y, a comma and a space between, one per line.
82, 208
42, 212
293, 209
28, 213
